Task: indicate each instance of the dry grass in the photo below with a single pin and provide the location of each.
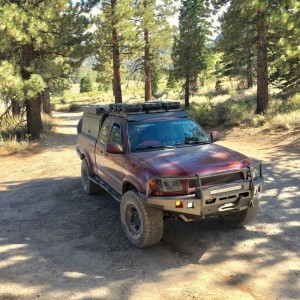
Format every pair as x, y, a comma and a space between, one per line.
13, 136
286, 121
15, 145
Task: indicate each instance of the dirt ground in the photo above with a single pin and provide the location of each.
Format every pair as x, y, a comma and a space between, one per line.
58, 243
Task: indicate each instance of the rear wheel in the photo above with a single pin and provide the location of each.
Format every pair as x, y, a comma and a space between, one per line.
243, 217
143, 225
89, 186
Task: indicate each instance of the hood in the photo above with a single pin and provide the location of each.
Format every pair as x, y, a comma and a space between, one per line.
187, 161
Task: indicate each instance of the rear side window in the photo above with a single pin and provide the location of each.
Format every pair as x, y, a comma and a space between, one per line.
90, 125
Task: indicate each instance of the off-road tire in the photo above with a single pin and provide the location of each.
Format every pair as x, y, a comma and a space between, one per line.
89, 187
243, 217
143, 225
79, 126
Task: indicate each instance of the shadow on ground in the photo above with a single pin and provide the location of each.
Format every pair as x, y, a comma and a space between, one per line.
55, 239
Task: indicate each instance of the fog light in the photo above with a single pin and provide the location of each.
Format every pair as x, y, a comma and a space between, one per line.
179, 204
190, 205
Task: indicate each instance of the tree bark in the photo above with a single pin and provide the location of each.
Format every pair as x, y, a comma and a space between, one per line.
117, 90
15, 107
187, 91
249, 74
147, 67
33, 105
45, 99
34, 119
262, 65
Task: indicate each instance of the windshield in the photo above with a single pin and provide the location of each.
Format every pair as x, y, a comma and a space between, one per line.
165, 134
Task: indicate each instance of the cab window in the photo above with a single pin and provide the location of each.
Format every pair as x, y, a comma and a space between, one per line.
115, 135
104, 131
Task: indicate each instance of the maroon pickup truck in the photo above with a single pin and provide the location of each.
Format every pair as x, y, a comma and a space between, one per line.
159, 163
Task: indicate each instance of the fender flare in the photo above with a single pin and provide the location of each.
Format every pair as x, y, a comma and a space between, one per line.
130, 180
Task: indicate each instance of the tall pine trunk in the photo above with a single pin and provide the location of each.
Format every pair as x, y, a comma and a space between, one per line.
262, 65
34, 119
147, 67
45, 98
187, 91
117, 90
33, 105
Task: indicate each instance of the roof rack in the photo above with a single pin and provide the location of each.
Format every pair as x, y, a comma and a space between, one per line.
128, 110
146, 107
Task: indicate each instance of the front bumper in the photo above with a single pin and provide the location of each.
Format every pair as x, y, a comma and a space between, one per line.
212, 200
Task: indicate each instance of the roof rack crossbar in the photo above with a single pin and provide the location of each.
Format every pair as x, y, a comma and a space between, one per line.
124, 109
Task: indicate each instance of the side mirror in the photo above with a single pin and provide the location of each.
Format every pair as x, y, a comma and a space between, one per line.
214, 136
114, 148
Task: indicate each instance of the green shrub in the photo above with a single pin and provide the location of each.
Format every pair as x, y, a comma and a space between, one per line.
232, 113
293, 103
103, 87
86, 84
228, 113
204, 113
213, 93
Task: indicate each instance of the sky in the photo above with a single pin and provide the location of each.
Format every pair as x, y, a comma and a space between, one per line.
214, 20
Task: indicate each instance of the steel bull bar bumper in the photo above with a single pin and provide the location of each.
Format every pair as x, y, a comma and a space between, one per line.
215, 199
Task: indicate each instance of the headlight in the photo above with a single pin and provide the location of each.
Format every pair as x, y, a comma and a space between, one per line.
255, 171
165, 185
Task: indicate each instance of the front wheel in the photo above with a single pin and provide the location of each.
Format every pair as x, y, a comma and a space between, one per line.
142, 225
243, 217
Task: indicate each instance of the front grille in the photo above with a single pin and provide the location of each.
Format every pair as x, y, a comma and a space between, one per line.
216, 180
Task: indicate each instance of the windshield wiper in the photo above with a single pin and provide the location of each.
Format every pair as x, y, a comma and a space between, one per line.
196, 142
193, 143
154, 148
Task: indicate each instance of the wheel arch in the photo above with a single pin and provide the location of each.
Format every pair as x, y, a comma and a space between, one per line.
130, 183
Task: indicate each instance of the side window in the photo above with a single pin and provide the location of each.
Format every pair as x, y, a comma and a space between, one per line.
115, 135
104, 131
90, 125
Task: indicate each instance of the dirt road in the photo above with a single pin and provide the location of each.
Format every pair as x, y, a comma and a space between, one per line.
58, 243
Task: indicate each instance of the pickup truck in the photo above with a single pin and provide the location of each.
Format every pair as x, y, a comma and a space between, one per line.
159, 163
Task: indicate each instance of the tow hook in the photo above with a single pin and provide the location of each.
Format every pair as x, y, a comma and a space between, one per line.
184, 218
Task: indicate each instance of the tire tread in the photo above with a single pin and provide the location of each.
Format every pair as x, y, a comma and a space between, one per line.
152, 223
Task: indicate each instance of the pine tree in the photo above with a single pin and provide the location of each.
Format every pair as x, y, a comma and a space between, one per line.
286, 60
114, 39
239, 51
260, 25
42, 35
190, 53
171, 84
156, 33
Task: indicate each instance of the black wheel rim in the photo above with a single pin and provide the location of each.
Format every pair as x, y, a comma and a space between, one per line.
133, 220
